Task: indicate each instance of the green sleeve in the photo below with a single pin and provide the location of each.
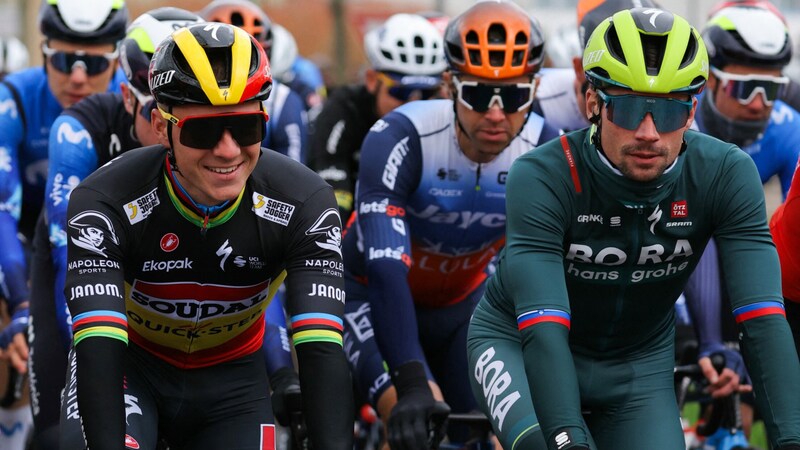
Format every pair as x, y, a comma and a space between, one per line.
537, 207
752, 274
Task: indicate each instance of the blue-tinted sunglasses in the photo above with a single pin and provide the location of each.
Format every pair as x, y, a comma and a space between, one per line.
668, 113
405, 93
744, 88
66, 62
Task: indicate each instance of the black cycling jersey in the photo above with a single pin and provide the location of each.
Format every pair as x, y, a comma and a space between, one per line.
191, 290
340, 128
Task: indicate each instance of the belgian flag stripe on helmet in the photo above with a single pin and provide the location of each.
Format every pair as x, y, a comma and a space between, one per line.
198, 61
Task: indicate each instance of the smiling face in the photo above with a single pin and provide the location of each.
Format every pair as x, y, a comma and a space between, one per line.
642, 154
212, 176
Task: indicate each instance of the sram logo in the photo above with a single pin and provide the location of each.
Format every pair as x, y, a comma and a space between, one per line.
461, 219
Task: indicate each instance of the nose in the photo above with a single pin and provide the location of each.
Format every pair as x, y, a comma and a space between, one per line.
646, 130
227, 147
758, 103
78, 74
495, 113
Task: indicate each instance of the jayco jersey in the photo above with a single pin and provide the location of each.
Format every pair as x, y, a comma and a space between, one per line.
421, 199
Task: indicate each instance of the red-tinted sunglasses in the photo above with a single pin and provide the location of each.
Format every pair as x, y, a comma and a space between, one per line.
205, 131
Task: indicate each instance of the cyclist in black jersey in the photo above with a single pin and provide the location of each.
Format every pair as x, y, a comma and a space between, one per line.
176, 250
407, 62
84, 137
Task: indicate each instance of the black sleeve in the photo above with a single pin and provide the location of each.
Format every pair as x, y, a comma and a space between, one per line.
100, 372
327, 399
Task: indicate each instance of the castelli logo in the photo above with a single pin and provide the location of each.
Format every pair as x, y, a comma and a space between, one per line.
169, 242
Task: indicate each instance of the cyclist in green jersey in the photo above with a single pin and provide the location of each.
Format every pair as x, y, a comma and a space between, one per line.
572, 345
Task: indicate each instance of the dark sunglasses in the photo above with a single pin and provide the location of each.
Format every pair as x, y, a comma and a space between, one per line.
744, 88
479, 97
66, 62
147, 109
205, 131
405, 93
669, 114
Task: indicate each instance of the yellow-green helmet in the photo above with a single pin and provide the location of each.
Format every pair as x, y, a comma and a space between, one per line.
646, 50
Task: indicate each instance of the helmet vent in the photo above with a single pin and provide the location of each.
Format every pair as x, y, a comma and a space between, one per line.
520, 39
475, 57
517, 57
691, 51
613, 44
237, 19
456, 53
653, 47
496, 34
497, 58
472, 37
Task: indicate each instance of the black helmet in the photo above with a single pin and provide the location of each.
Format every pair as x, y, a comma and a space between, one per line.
747, 34
144, 35
84, 21
209, 64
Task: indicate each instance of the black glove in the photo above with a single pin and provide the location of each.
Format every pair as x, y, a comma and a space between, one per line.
417, 420
283, 382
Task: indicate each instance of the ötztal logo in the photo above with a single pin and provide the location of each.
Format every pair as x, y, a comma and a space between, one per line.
679, 210
169, 242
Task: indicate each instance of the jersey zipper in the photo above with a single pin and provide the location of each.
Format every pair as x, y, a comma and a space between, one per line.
478, 178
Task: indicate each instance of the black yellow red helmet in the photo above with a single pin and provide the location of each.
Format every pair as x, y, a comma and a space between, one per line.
494, 39
209, 64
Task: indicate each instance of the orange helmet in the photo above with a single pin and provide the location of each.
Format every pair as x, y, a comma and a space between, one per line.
242, 13
494, 39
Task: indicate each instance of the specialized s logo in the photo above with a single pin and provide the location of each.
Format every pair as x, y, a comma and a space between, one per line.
224, 251
139, 209
93, 228
329, 224
65, 132
654, 218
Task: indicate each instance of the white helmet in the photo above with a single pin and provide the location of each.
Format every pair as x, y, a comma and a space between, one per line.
562, 46
283, 51
407, 44
13, 55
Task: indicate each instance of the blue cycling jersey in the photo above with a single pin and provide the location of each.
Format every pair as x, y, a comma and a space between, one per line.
23, 168
286, 128
777, 151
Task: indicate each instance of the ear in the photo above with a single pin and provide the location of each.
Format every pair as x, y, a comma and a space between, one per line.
159, 126
371, 81
690, 120
577, 67
447, 81
592, 103
128, 100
